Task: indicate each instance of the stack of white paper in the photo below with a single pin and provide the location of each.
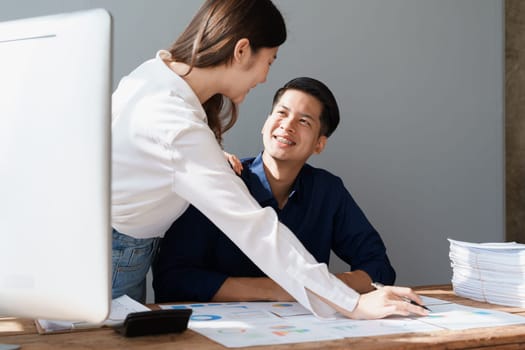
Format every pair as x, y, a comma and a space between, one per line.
489, 272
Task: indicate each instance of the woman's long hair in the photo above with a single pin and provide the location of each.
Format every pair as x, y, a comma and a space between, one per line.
210, 38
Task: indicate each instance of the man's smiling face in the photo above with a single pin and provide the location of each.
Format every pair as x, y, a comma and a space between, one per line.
292, 130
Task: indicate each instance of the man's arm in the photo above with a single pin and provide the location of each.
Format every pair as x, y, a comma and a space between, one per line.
264, 289
183, 270
187, 266
251, 289
358, 243
358, 280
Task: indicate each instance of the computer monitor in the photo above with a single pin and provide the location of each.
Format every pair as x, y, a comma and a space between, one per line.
55, 127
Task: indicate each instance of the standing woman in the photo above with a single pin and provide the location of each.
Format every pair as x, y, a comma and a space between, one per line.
168, 118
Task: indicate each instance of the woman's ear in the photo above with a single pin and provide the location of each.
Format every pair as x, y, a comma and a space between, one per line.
242, 49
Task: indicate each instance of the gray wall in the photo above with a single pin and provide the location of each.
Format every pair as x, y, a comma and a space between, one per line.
419, 83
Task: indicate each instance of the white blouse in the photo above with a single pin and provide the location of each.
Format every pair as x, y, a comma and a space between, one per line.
165, 156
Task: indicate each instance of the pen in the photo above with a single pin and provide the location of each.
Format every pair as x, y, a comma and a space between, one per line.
378, 285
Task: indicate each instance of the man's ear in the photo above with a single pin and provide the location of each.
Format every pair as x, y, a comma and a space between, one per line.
321, 143
241, 49
264, 125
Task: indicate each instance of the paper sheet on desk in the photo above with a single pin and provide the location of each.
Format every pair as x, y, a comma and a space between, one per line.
120, 308
242, 324
495, 246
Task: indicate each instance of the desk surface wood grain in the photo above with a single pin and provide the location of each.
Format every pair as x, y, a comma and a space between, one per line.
23, 332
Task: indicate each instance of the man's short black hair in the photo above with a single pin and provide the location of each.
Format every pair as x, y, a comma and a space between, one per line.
330, 113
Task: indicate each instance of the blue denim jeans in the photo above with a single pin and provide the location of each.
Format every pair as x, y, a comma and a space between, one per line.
132, 259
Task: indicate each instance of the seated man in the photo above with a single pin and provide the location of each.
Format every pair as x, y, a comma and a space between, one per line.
196, 262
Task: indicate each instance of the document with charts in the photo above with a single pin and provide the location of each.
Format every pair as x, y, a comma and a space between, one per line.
240, 324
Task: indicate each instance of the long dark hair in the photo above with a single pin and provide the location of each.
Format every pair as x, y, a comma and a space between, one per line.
210, 38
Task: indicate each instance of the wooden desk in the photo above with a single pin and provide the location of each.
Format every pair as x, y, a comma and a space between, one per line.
508, 337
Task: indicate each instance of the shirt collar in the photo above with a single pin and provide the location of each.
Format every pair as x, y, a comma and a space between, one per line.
259, 185
179, 86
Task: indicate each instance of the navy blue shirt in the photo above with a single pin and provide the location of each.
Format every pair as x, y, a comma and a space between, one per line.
195, 257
